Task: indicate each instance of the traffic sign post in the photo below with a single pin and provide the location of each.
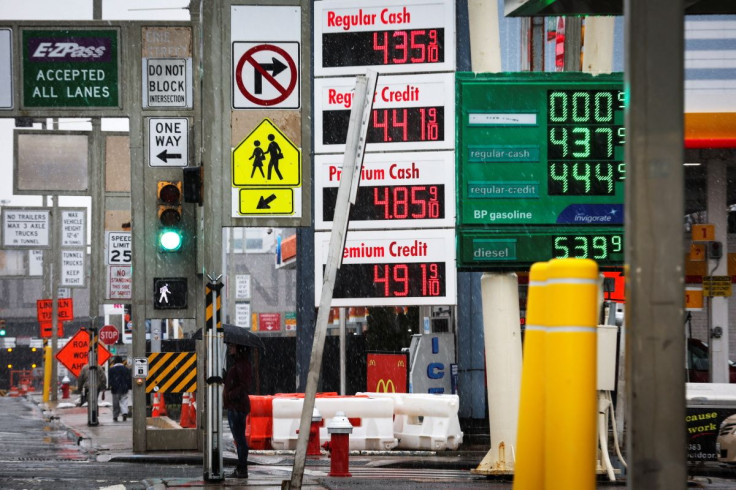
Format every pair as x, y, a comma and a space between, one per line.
266, 75
266, 173
75, 353
26, 227
541, 169
109, 334
70, 68
168, 141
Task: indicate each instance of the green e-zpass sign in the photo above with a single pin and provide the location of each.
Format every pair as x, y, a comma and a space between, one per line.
539, 155
70, 68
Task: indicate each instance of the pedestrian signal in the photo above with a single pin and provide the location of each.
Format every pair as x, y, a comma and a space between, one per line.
169, 198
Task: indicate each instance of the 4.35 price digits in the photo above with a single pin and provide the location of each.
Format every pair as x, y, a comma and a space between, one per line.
414, 46
596, 247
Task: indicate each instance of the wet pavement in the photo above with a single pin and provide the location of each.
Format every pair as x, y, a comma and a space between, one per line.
51, 446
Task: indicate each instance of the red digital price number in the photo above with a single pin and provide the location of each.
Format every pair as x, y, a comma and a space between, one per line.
381, 48
391, 280
415, 46
390, 202
388, 125
393, 124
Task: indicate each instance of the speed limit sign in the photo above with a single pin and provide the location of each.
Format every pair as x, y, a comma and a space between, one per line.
119, 248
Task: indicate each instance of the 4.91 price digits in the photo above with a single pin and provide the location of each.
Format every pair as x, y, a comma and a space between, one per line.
596, 247
394, 280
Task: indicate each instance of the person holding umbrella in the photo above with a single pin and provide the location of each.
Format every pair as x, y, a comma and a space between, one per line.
237, 402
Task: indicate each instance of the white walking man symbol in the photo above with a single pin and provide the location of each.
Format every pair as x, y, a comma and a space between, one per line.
163, 292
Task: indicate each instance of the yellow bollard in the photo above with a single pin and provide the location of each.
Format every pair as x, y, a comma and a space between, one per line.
571, 399
529, 466
46, 373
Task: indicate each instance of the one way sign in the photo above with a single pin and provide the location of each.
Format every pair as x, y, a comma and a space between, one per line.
168, 141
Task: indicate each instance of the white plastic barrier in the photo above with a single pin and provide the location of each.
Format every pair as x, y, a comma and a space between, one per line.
425, 421
373, 430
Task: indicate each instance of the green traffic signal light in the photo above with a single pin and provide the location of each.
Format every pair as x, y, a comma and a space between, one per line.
170, 240
2, 332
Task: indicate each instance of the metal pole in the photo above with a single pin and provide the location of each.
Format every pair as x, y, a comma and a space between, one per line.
342, 351
92, 409
365, 88
54, 280
656, 446
213, 470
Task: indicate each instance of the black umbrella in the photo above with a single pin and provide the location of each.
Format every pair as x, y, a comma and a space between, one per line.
236, 335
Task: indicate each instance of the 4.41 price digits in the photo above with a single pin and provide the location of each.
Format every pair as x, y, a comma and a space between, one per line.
584, 178
407, 124
596, 247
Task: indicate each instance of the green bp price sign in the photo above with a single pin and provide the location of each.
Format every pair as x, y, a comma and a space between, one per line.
70, 68
539, 150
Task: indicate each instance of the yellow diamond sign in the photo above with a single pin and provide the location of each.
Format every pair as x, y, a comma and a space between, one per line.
267, 158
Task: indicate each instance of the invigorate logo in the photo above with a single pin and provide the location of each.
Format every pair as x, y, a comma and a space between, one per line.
69, 49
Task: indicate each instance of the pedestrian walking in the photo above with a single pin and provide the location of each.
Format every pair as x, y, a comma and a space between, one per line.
83, 384
120, 385
236, 401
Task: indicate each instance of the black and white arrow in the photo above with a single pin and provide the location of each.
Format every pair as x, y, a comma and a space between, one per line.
264, 203
165, 155
275, 67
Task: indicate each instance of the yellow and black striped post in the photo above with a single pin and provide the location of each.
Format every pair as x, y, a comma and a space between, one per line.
571, 364
213, 466
530, 462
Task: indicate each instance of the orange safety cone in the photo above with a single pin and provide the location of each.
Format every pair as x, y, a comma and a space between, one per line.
186, 421
159, 408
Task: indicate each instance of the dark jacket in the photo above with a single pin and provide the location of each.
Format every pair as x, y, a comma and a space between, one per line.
237, 384
120, 379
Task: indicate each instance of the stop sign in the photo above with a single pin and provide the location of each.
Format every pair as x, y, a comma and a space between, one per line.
109, 334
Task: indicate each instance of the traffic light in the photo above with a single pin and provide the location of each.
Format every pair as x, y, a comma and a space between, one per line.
170, 235
2, 328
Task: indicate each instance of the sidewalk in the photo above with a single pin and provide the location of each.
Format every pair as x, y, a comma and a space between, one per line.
112, 441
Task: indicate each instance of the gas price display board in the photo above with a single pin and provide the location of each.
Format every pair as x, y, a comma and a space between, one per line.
540, 168
409, 267
386, 35
397, 190
410, 112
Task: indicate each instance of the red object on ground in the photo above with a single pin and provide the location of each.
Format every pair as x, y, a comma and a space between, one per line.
187, 419
340, 455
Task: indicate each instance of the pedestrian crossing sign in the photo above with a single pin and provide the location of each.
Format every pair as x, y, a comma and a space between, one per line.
266, 158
